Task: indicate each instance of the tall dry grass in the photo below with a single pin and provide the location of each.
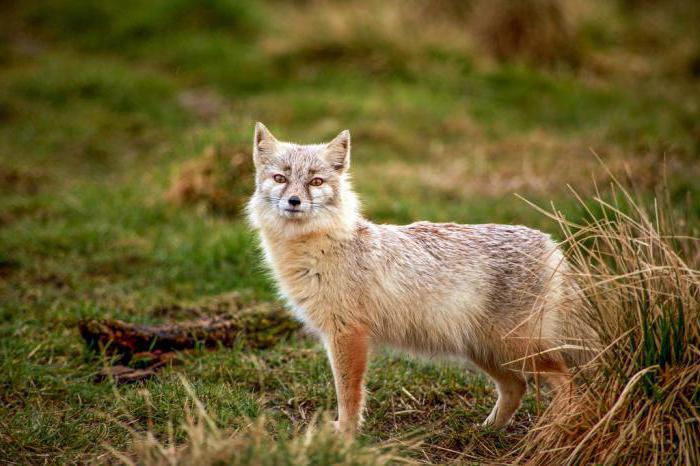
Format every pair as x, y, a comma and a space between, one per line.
207, 445
638, 400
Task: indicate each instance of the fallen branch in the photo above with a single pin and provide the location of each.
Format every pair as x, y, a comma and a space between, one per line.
151, 346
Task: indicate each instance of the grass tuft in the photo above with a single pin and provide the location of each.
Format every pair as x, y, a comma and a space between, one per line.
217, 181
534, 31
638, 398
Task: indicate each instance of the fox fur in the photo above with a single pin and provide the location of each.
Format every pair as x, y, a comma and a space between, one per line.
495, 296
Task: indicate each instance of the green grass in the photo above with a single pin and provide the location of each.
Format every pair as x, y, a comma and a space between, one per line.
92, 129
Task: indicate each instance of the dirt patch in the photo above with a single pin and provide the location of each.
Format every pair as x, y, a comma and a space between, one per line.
14, 180
8, 267
219, 180
57, 281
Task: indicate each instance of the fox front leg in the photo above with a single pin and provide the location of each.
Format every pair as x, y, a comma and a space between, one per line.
347, 351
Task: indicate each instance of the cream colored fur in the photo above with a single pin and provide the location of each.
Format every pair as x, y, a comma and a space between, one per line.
496, 296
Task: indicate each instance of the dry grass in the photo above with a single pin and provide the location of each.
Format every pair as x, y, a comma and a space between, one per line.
207, 444
479, 167
380, 37
375, 36
638, 399
533, 30
217, 181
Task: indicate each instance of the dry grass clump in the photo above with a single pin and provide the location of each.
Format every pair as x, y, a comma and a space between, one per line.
638, 399
532, 30
207, 444
219, 180
382, 38
20, 180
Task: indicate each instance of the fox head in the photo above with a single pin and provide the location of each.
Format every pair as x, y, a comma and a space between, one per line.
302, 189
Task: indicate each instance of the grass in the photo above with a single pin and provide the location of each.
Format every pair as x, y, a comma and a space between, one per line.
640, 274
101, 105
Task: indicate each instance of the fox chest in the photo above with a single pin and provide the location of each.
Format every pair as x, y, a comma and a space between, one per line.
315, 287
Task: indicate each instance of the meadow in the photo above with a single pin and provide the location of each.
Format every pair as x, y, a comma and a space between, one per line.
118, 125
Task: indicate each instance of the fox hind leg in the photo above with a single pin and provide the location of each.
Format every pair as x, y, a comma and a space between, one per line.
511, 387
560, 381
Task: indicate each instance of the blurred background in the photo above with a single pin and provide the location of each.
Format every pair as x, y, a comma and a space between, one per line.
126, 127
452, 104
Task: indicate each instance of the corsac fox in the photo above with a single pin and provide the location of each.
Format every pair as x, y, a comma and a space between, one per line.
496, 296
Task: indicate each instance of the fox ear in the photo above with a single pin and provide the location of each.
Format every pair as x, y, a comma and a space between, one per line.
338, 151
263, 144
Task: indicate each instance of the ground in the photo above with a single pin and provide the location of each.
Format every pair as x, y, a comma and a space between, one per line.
102, 103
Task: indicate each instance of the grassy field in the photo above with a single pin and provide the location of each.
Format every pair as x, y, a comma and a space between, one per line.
102, 103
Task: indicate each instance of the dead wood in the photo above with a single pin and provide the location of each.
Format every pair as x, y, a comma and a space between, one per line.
257, 330
139, 350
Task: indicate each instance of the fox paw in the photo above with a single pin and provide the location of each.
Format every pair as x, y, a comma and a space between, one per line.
490, 421
344, 430
336, 426
494, 421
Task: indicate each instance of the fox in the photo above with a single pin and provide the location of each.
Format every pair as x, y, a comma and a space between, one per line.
496, 297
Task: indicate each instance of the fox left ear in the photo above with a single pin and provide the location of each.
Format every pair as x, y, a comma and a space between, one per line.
338, 151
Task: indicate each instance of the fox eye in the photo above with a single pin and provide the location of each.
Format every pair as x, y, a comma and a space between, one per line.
279, 178
316, 182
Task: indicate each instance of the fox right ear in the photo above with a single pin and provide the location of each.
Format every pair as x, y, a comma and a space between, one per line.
263, 144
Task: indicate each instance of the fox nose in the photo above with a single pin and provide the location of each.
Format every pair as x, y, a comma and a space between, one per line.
294, 201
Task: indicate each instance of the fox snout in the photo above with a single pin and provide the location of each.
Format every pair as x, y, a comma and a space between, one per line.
294, 206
